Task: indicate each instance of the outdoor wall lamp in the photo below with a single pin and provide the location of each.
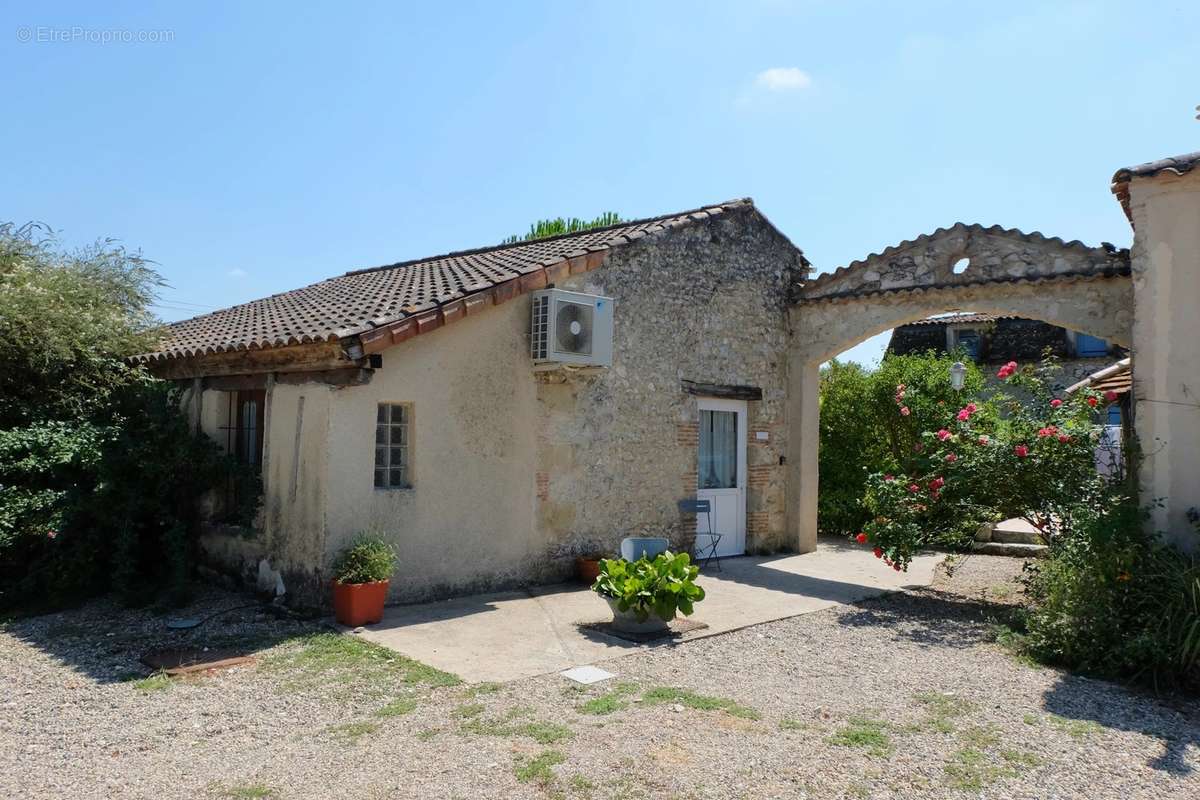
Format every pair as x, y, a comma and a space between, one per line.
958, 373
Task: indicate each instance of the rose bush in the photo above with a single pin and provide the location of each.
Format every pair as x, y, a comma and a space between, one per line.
990, 459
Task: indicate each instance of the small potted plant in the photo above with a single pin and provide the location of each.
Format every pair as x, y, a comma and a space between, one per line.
645, 595
587, 567
361, 577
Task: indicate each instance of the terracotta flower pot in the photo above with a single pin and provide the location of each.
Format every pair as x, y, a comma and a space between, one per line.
357, 604
587, 568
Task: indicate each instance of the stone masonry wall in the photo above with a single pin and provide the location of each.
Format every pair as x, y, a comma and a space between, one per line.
618, 447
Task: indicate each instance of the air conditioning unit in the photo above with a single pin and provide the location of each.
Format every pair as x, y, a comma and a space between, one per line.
572, 328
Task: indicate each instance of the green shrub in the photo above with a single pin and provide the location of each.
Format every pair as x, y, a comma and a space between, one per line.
368, 559
986, 460
100, 475
1115, 601
862, 433
661, 585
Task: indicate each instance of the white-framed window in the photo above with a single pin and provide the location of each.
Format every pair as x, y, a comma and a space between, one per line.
392, 459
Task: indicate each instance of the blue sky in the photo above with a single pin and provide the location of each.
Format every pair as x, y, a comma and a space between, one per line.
259, 147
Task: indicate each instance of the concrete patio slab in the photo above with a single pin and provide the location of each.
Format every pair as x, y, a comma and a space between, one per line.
510, 635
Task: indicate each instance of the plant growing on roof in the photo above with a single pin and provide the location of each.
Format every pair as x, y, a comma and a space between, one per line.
663, 585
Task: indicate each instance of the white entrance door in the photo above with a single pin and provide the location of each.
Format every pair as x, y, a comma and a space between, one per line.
722, 473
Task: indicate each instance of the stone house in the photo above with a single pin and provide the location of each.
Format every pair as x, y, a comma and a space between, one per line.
994, 339
403, 400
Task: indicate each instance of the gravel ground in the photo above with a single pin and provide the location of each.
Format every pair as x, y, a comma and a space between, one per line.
897, 697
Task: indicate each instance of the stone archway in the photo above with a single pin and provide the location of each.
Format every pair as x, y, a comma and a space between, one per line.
993, 270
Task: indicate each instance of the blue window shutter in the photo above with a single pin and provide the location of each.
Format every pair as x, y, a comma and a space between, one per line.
1086, 346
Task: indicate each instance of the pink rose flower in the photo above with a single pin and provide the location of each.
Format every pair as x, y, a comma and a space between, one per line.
904, 412
1055, 403
951, 458
943, 434
972, 408
1062, 437
937, 482
983, 439
964, 415
889, 477
1021, 450
912, 487
1110, 396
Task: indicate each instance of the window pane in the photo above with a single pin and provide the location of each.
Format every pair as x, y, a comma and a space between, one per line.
399, 434
397, 457
382, 416
718, 450
397, 477
399, 415
381, 454
381, 434
380, 478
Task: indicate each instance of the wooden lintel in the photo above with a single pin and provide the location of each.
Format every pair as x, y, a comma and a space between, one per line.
351, 376
727, 391
300, 358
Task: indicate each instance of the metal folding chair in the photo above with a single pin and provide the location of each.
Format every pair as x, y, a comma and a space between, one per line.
704, 554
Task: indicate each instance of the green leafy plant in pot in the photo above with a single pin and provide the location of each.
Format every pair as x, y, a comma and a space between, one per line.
646, 594
361, 576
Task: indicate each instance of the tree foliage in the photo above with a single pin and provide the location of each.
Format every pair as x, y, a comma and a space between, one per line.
862, 432
66, 321
544, 228
100, 475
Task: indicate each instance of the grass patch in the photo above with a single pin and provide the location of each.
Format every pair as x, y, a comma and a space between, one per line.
700, 702
793, 724
1016, 644
1030, 719
1020, 758
248, 791
428, 734
158, 682
1075, 728
541, 732
943, 709
487, 687
616, 699
970, 770
540, 769
604, 704
980, 738
865, 733
353, 731
581, 784
468, 711
344, 665
398, 707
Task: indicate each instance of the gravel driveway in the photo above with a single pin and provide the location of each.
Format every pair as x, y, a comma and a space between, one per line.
897, 697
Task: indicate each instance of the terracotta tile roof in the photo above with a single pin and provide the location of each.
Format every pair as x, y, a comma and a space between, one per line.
954, 319
1176, 165
375, 300
1117, 378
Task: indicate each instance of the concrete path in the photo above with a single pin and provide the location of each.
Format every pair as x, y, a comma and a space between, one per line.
510, 635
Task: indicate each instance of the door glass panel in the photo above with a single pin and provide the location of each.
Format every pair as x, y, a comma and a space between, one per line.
718, 450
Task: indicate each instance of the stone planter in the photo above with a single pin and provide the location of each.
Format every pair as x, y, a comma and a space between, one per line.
627, 620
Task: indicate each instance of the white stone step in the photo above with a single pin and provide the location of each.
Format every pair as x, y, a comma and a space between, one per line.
1017, 549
